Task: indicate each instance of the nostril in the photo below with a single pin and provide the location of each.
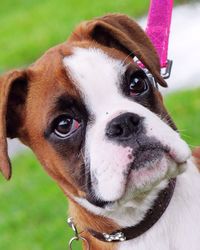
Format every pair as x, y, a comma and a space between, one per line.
124, 126
114, 130
134, 119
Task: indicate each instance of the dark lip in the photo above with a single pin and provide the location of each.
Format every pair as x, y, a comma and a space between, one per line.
98, 203
152, 146
146, 153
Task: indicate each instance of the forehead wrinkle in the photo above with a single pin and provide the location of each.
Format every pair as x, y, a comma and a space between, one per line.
96, 75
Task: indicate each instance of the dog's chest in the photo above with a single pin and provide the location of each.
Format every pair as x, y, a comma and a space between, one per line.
179, 227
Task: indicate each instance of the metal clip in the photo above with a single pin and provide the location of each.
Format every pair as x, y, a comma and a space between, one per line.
73, 227
151, 78
166, 71
77, 236
119, 236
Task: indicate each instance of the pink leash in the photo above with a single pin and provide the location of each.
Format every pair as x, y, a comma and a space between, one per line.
158, 29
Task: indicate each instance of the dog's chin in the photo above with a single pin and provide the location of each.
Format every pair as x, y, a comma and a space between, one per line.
142, 180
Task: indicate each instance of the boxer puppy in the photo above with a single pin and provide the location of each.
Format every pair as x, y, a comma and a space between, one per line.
99, 127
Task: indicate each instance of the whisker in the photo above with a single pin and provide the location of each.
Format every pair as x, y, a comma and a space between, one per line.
123, 62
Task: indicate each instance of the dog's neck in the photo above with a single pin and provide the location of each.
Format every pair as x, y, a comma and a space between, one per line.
128, 211
94, 221
151, 217
170, 228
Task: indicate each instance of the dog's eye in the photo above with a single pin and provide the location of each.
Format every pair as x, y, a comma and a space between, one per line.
138, 84
64, 126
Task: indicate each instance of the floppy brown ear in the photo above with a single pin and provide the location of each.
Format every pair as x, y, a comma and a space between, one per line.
121, 32
13, 91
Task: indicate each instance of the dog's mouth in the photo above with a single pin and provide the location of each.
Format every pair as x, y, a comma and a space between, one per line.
151, 164
147, 155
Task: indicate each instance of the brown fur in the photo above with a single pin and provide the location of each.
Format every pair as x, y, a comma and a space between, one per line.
44, 81
196, 155
84, 219
120, 32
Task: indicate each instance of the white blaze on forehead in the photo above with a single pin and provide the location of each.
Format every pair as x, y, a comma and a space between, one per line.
96, 75
98, 78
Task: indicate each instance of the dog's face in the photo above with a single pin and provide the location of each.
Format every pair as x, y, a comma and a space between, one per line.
92, 116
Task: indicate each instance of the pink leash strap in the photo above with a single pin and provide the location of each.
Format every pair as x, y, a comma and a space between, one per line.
158, 28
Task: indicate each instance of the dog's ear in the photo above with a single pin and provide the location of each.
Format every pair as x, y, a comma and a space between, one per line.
121, 32
13, 92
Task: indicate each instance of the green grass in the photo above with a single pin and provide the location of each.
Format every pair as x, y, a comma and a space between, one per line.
30, 27
33, 210
184, 107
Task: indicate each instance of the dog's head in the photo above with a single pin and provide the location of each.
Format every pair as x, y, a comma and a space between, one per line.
91, 115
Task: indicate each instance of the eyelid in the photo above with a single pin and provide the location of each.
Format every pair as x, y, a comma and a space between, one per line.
139, 73
130, 73
74, 127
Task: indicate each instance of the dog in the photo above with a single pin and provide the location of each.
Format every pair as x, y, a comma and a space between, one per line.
98, 125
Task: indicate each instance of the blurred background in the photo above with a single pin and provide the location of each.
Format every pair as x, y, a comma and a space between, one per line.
33, 210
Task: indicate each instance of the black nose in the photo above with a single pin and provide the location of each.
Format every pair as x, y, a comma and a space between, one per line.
124, 126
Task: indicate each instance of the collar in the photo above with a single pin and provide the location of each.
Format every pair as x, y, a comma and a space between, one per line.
151, 217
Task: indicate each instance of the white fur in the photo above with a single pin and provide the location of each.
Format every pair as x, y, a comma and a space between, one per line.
98, 77
125, 212
179, 227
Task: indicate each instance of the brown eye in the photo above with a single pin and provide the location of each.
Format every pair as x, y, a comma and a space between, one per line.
138, 85
64, 126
